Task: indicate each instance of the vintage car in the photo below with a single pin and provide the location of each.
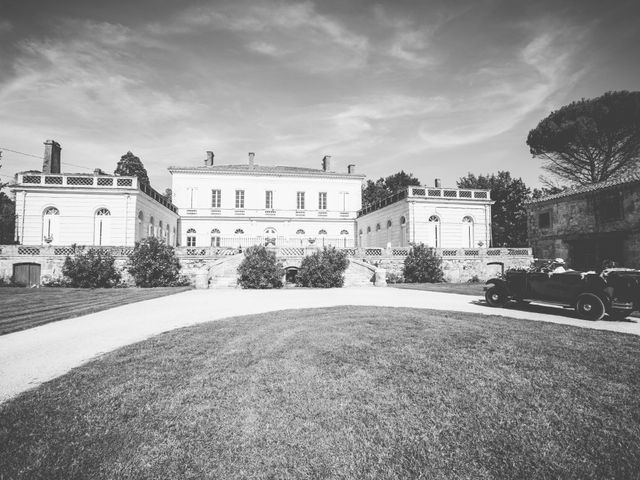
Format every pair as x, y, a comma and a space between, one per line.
615, 291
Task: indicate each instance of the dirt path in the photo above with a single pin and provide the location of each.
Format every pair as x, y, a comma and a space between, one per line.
31, 357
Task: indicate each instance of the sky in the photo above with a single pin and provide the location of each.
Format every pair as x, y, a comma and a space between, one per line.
435, 88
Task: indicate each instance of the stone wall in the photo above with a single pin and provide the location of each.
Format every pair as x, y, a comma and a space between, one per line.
213, 266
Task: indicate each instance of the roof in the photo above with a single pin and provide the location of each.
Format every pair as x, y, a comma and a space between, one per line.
629, 179
264, 170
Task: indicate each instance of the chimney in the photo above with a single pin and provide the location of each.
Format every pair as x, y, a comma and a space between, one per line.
351, 169
251, 157
326, 163
209, 160
51, 163
438, 183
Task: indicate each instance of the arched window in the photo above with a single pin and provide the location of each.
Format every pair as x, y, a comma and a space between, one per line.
433, 237
215, 237
388, 223
300, 232
345, 237
191, 237
322, 232
368, 229
140, 225
377, 227
269, 236
102, 227
50, 225
239, 231
152, 227
360, 232
403, 231
467, 231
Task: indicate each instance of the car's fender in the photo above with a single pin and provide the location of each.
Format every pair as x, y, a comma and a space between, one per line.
498, 282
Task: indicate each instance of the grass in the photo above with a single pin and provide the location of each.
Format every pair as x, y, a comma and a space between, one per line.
22, 308
345, 392
476, 289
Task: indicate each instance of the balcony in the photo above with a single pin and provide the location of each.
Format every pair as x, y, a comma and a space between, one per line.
413, 193
65, 180
209, 212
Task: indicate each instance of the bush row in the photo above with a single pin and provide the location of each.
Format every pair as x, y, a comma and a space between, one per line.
151, 264
154, 264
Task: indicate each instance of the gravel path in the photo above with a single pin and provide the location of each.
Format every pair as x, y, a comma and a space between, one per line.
31, 357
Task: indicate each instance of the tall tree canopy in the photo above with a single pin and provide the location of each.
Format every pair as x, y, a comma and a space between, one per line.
508, 215
591, 140
373, 192
7, 214
131, 165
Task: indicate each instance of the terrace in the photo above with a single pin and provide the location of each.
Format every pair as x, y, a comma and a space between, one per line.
417, 193
97, 181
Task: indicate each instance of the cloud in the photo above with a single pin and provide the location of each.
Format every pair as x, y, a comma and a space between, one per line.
294, 32
507, 93
5, 26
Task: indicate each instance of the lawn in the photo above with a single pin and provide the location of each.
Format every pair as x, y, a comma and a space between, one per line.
344, 392
476, 289
22, 308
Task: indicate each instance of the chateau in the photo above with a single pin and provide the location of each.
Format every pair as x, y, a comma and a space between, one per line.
239, 205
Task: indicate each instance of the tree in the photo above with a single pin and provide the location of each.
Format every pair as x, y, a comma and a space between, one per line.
323, 269
508, 215
592, 140
7, 215
373, 192
422, 265
260, 269
91, 269
154, 264
132, 166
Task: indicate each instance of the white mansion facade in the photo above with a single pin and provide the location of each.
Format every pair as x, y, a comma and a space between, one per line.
240, 205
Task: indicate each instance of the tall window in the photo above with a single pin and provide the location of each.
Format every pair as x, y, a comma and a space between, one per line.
215, 237
101, 227
268, 199
300, 201
191, 237
152, 227
239, 198
50, 225
322, 201
434, 231
467, 231
216, 198
140, 224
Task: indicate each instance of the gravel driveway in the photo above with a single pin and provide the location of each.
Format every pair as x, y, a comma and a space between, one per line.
31, 357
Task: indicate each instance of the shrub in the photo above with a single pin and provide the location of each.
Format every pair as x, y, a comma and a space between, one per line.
154, 264
93, 268
422, 265
395, 277
323, 269
260, 269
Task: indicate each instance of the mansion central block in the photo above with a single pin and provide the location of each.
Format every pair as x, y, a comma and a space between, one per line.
238, 205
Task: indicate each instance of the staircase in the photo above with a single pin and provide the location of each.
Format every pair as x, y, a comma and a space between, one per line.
359, 274
224, 272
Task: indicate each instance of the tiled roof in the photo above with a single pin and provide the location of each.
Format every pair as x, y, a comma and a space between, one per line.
594, 187
262, 169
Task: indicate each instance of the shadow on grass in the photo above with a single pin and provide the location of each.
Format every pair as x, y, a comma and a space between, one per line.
554, 310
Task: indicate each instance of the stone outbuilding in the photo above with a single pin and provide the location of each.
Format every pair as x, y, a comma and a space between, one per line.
588, 225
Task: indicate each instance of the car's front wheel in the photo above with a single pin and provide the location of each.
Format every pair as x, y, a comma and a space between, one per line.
590, 307
620, 314
496, 296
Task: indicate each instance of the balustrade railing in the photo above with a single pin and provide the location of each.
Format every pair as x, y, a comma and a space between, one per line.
429, 192
282, 249
92, 181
